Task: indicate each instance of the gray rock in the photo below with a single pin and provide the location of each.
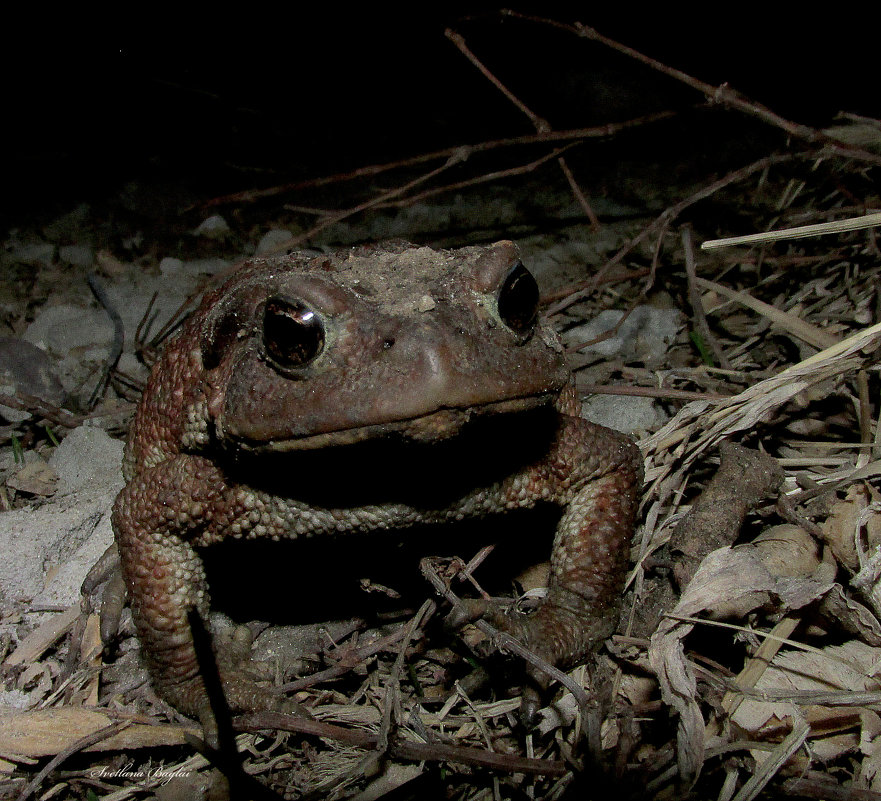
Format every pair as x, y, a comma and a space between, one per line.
72, 564
177, 281
48, 550
169, 266
203, 267
77, 255
48, 539
88, 458
37, 253
61, 329
632, 415
26, 369
645, 334
77, 340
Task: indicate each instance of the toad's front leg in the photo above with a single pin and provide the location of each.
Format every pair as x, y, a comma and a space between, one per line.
156, 518
595, 474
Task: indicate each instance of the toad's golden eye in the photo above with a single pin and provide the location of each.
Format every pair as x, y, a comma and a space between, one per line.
518, 300
293, 334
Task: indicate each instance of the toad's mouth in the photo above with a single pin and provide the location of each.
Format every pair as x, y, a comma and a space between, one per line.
436, 426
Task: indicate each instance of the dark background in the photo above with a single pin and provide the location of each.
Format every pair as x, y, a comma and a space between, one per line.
252, 97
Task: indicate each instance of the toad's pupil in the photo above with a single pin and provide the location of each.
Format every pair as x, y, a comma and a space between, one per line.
292, 333
518, 299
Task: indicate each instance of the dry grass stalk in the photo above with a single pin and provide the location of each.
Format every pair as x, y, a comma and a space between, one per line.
820, 229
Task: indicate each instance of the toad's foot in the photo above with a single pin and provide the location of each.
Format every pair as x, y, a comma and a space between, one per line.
105, 582
235, 683
559, 635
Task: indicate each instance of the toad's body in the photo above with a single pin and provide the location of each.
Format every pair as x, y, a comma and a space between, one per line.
300, 355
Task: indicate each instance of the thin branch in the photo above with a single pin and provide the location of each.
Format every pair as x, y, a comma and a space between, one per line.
34, 405
402, 749
391, 702
367, 204
115, 349
799, 232
664, 218
480, 179
723, 94
661, 393
463, 151
540, 124
346, 663
502, 639
84, 742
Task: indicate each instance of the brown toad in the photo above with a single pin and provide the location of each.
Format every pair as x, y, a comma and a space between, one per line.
369, 389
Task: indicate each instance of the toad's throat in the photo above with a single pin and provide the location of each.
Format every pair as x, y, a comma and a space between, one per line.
436, 426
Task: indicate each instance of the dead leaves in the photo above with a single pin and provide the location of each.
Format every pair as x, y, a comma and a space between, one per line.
730, 583
853, 528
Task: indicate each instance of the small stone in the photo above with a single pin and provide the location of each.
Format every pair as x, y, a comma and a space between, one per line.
199, 267
170, 266
77, 255
273, 239
426, 303
37, 253
87, 458
213, 227
65, 327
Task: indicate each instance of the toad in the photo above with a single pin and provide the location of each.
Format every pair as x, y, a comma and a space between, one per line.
375, 388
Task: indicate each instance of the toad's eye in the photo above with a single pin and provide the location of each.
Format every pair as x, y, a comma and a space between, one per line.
518, 300
293, 334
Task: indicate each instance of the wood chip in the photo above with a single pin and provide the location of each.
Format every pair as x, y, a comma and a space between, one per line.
46, 732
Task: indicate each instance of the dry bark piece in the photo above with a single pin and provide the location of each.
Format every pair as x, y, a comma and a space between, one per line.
744, 479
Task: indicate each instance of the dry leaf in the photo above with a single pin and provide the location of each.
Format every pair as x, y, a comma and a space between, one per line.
37, 679
870, 745
35, 478
788, 550
841, 529
848, 667
738, 576
91, 650
851, 616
